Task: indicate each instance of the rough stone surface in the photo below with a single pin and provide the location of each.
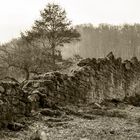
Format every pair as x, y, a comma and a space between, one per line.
13, 103
90, 81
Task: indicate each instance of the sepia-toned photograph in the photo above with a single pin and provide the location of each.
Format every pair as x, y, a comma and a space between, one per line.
69, 69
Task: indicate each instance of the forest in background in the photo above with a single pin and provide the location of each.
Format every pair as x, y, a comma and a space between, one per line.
122, 40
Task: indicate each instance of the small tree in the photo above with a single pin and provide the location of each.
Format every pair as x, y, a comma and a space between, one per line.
19, 56
55, 27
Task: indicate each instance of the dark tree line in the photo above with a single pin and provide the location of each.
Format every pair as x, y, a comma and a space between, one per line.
123, 40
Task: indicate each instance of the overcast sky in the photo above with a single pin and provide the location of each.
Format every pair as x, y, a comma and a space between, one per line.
19, 15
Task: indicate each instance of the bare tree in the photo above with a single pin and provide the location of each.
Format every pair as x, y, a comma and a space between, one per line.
22, 56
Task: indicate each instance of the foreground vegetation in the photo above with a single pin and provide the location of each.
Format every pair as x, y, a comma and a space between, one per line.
82, 123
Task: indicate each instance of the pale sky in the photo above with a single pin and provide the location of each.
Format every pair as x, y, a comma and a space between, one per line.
19, 15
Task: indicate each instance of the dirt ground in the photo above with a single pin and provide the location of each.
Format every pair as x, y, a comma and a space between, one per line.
121, 123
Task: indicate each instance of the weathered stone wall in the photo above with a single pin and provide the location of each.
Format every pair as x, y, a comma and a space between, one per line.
89, 81
13, 102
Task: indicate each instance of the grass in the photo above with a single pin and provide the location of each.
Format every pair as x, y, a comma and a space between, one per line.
88, 124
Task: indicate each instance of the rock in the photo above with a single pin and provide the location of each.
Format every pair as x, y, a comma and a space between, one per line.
15, 126
34, 100
127, 64
84, 62
110, 56
2, 90
39, 135
84, 139
1, 102
51, 113
34, 97
112, 132
134, 60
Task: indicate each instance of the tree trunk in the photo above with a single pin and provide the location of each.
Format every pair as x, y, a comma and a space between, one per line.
133, 46
27, 74
53, 56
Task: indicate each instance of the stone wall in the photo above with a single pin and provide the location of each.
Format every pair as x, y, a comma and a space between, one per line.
13, 102
89, 81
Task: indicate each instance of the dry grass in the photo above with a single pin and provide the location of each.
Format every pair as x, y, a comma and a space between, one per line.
113, 124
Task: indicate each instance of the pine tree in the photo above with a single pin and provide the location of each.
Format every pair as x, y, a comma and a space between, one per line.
55, 27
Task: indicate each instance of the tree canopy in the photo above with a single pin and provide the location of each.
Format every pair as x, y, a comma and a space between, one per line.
54, 27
